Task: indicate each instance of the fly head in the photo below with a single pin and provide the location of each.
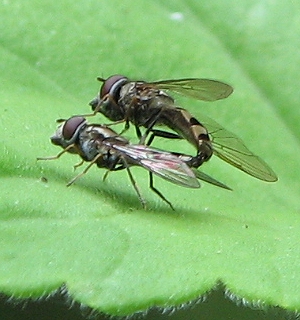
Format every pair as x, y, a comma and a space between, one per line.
68, 132
107, 100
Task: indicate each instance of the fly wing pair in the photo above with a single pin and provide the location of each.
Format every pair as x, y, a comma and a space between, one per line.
166, 165
226, 145
163, 164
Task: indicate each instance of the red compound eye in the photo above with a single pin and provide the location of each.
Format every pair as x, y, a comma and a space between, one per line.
71, 126
109, 83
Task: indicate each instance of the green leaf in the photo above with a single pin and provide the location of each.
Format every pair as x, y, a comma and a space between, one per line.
94, 237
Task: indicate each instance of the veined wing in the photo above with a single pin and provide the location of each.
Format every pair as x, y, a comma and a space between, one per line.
159, 162
199, 174
205, 177
201, 89
230, 148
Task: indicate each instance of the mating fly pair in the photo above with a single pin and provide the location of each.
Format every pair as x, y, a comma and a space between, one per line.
102, 146
146, 104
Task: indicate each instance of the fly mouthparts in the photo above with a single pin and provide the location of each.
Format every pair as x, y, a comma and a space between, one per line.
55, 140
94, 103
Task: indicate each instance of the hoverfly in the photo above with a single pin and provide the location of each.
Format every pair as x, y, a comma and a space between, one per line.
104, 147
146, 104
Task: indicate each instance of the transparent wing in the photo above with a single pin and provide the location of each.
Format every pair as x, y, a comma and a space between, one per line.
201, 89
199, 174
232, 149
161, 163
205, 177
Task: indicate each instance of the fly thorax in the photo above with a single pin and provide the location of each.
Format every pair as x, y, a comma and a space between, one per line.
86, 145
88, 150
102, 133
163, 98
127, 94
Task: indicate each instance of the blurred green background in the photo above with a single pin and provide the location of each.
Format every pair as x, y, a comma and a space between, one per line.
51, 54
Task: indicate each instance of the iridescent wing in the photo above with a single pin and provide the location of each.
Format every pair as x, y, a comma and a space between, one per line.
201, 89
161, 163
230, 148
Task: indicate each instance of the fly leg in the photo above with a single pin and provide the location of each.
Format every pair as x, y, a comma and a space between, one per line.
130, 115
126, 126
114, 123
97, 103
77, 165
105, 175
193, 162
163, 134
139, 134
85, 170
156, 133
59, 154
133, 182
118, 122
158, 192
150, 125
113, 167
